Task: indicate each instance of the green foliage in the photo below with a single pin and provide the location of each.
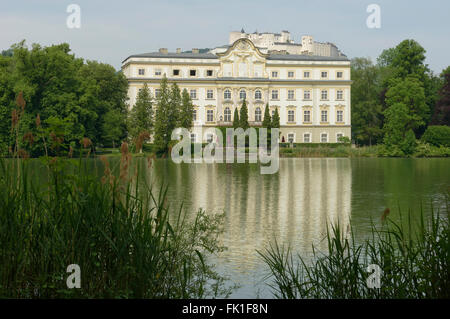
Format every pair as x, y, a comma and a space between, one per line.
438, 135
409, 92
366, 106
127, 242
397, 117
236, 118
112, 132
186, 118
441, 114
141, 115
414, 257
243, 116
167, 115
57, 84
276, 119
267, 122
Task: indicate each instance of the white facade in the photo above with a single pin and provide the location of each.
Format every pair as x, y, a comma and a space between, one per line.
312, 94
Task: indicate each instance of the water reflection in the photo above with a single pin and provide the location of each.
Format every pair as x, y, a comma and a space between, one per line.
292, 206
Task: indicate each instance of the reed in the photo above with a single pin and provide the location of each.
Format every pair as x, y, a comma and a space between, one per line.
127, 242
414, 257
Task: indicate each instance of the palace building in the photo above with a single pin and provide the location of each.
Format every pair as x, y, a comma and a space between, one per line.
311, 92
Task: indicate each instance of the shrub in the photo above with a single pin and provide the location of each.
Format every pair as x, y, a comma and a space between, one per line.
437, 135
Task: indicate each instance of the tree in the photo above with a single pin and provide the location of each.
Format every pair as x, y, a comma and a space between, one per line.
236, 118
366, 107
410, 93
441, 114
111, 130
243, 116
267, 119
187, 111
275, 119
166, 118
56, 84
397, 118
141, 115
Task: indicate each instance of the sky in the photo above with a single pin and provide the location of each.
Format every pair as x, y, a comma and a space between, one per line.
112, 30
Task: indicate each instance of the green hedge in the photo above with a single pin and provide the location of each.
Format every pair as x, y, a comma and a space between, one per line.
438, 135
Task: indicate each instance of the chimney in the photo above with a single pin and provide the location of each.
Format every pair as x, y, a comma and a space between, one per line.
178, 50
195, 50
163, 50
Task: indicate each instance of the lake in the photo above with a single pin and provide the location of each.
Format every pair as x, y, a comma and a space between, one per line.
294, 205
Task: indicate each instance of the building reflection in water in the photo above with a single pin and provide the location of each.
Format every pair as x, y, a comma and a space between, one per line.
292, 206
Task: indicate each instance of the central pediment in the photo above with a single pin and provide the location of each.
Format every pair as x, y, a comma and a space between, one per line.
242, 59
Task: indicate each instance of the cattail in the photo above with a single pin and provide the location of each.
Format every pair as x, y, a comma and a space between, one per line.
124, 148
20, 101
86, 142
38, 121
149, 162
14, 118
22, 153
70, 152
28, 137
385, 213
140, 140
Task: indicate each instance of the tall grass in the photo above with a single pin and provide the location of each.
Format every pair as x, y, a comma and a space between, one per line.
414, 258
127, 242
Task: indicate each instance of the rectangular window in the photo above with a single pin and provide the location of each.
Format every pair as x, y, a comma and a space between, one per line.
306, 74
194, 115
274, 74
307, 116
324, 95
209, 116
291, 116
209, 72
324, 117
290, 74
324, 74
209, 94
338, 136
307, 95
339, 75
157, 92
141, 71
274, 94
291, 138
192, 72
176, 72
339, 94
290, 94
340, 116
306, 138
158, 72
324, 137
193, 94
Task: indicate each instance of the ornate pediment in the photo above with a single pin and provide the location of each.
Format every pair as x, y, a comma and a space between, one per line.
242, 59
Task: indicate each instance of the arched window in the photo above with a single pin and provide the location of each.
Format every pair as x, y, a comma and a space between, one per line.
242, 94
258, 95
227, 114
227, 94
258, 114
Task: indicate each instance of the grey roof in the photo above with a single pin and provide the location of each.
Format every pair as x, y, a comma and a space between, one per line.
173, 55
286, 57
303, 57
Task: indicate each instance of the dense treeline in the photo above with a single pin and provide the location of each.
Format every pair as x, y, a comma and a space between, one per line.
80, 99
396, 99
